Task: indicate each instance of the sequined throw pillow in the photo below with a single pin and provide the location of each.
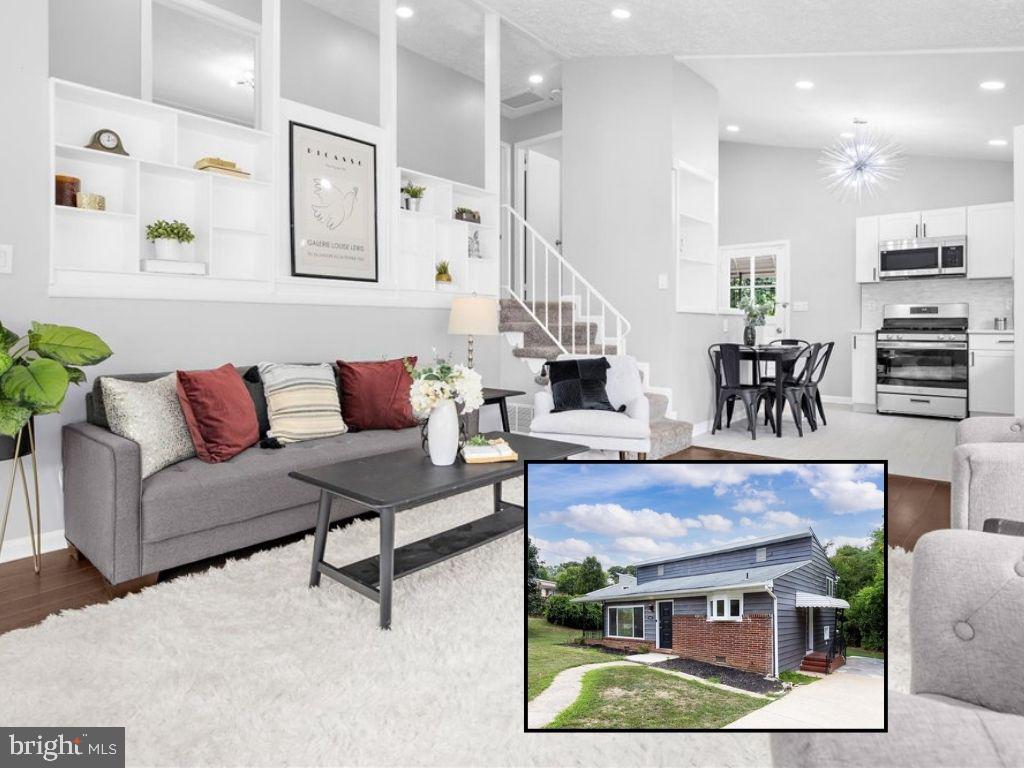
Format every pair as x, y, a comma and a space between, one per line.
149, 413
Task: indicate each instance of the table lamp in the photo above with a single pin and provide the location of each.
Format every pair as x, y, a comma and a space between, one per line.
473, 316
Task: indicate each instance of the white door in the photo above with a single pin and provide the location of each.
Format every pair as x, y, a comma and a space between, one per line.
758, 272
944, 222
543, 204
866, 265
990, 240
990, 384
864, 368
810, 629
899, 226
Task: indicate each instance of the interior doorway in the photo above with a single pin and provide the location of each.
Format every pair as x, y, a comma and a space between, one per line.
538, 195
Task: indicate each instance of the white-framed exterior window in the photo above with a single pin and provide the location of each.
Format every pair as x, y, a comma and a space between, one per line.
625, 622
661, 570
830, 586
761, 554
725, 606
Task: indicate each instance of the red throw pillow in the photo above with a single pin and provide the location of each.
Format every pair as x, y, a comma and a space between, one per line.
376, 395
220, 414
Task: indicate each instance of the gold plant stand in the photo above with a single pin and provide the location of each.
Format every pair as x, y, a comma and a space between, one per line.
35, 532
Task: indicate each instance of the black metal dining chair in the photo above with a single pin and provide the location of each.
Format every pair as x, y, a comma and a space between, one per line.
729, 387
794, 389
817, 374
770, 376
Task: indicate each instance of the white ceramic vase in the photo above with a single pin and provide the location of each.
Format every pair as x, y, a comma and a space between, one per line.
167, 248
443, 434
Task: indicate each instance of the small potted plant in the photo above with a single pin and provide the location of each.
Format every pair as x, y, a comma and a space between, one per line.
412, 196
467, 214
168, 237
442, 273
185, 237
755, 313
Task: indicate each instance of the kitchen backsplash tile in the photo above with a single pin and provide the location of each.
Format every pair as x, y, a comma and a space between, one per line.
987, 298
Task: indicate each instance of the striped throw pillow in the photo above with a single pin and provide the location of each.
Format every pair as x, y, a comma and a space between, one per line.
302, 401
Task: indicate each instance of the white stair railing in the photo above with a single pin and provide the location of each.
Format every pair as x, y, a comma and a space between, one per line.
522, 242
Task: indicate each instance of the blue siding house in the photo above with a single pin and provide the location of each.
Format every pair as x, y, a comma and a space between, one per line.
764, 605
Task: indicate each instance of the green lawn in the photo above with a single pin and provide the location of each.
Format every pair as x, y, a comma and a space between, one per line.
865, 652
789, 676
637, 697
546, 656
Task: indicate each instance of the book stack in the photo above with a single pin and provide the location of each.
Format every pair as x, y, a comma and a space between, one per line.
495, 451
219, 165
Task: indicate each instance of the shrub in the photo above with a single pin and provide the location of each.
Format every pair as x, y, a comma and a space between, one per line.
559, 609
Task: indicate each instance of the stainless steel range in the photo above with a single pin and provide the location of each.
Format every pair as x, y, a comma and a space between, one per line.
921, 360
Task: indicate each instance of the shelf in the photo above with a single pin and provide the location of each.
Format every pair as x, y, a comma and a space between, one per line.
70, 152
89, 212
696, 219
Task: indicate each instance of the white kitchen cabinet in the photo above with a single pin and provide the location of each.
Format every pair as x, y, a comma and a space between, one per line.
866, 264
944, 222
899, 226
863, 385
990, 373
990, 240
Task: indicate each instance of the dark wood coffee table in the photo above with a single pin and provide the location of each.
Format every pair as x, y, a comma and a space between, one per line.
393, 482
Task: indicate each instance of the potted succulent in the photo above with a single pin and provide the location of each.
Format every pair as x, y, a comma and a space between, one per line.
754, 313
467, 214
412, 196
442, 273
169, 238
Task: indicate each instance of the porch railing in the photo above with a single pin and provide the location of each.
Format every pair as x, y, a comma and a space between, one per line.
539, 277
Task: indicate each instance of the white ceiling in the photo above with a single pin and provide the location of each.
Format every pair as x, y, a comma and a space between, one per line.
929, 103
688, 27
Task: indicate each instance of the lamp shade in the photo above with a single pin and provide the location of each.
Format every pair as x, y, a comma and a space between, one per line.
473, 316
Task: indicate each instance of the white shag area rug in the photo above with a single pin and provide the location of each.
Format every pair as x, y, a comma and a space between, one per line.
246, 666
897, 660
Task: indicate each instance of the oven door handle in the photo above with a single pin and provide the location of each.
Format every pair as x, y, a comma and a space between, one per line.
922, 345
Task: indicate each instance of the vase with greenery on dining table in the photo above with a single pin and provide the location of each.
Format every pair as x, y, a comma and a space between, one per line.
754, 314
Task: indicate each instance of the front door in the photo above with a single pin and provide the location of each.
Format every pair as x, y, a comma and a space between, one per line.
665, 624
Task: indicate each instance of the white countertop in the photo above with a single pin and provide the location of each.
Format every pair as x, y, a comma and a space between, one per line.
1008, 331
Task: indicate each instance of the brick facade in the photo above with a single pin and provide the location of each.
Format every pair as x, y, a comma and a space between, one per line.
745, 644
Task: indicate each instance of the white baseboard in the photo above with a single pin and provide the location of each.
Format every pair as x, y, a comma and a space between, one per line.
837, 399
16, 549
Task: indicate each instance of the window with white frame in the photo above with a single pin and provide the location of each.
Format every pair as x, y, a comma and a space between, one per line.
761, 554
725, 606
661, 570
753, 277
626, 621
830, 586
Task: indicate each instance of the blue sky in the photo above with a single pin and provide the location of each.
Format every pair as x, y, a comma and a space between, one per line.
625, 513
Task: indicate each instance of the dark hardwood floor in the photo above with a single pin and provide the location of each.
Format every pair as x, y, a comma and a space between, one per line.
916, 506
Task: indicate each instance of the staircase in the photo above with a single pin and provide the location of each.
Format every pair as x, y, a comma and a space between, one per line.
818, 661
552, 310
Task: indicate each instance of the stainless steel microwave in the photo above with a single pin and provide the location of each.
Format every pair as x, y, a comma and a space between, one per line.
922, 257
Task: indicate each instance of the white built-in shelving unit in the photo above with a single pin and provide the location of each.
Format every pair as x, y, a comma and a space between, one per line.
230, 216
696, 229
433, 234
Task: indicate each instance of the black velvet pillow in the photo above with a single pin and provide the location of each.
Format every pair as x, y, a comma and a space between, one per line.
579, 385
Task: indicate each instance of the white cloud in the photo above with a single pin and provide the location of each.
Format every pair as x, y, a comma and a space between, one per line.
840, 541
746, 521
844, 489
715, 522
646, 546
553, 552
616, 520
775, 518
749, 505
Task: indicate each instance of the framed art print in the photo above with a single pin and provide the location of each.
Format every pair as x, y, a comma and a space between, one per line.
333, 205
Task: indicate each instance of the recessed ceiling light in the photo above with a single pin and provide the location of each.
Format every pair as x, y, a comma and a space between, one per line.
997, 142
847, 134
732, 128
804, 85
404, 12
536, 79
992, 85
621, 13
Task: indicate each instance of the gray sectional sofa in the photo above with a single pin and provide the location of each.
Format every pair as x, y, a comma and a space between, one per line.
129, 528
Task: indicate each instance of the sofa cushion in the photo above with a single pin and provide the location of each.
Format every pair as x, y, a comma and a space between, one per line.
194, 496
302, 401
375, 395
594, 423
149, 414
220, 414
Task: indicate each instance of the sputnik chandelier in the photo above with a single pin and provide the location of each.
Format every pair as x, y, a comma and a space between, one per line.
861, 162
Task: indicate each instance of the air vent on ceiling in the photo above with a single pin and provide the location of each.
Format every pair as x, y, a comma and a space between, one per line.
520, 100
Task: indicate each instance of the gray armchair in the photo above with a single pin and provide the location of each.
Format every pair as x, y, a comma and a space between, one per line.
967, 658
988, 471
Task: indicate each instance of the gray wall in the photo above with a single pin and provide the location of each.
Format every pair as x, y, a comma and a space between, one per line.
773, 193
95, 42
793, 620
789, 551
156, 335
532, 125
333, 65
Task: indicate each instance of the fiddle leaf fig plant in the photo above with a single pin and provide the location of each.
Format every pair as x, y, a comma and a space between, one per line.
36, 369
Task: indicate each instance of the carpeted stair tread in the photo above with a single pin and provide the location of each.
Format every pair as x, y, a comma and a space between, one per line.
659, 405
534, 335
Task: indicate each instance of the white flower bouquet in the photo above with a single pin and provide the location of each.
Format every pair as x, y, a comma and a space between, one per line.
431, 386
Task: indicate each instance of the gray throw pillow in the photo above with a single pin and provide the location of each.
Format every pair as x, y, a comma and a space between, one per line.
149, 413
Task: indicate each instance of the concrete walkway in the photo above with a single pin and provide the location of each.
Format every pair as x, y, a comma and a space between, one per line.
568, 684
851, 697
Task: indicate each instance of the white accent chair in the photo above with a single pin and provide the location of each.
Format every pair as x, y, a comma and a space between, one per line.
601, 430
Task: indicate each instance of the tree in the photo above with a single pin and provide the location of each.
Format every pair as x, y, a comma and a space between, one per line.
555, 570
592, 575
559, 609
534, 603
867, 612
617, 569
862, 584
855, 567
568, 580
